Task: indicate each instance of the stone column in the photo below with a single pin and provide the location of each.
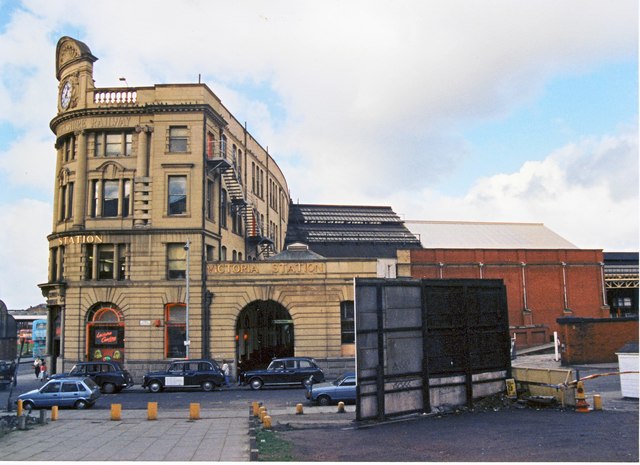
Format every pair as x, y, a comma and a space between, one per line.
142, 168
80, 202
56, 197
141, 189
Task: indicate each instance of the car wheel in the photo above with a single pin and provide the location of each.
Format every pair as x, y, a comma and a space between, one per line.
324, 400
207, 386
108, 388
155, 386
256, 383
81, 404
27, 405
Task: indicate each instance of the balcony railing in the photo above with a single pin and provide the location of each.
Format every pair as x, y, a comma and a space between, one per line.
115, 96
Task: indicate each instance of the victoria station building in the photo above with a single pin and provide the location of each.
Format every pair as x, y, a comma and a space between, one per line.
174, 236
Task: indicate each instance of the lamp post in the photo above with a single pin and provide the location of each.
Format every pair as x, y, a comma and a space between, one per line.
187, 342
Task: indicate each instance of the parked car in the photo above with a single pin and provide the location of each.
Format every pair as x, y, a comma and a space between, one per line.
68, 392
205, 374
6, 373
342, 389
110, 376
285, 372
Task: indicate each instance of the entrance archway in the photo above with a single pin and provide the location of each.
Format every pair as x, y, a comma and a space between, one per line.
105, 334
264, 330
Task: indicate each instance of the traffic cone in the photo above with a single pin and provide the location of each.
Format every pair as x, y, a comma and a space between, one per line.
581, 398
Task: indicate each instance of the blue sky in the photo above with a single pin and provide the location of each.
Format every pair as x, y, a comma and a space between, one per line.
466, 110
595, 102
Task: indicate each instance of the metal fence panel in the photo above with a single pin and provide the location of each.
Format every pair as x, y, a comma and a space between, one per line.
426, 343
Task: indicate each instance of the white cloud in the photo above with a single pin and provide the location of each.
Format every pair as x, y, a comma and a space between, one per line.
587, 192
30, 161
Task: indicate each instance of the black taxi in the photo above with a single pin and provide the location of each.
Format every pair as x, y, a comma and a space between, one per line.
180, 374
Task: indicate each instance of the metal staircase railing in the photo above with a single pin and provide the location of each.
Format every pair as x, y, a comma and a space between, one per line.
253, 227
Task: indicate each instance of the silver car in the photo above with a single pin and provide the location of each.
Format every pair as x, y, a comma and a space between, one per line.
342, 389
69, 392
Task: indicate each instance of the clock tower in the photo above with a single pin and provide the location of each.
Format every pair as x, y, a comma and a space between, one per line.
74, 71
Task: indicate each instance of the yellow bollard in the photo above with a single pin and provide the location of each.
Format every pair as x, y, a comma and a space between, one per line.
340, 407
256, 408
194, 411
262, 412
266, 422
116, 412
19, 410
152, 410
299, 409
54, 413
597, 402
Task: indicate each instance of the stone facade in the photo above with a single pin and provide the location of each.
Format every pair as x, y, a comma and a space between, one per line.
144, 173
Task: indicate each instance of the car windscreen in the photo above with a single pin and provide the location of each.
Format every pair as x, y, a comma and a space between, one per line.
91, 384
277, 365
77, 369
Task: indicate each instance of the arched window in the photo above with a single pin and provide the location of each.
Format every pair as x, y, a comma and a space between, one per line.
105, 334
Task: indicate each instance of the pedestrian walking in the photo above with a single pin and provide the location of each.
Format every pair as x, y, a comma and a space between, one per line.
43, 371
225, 372
36, 366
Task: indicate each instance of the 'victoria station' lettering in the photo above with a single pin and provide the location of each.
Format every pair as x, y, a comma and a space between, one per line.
80, 239
275, 268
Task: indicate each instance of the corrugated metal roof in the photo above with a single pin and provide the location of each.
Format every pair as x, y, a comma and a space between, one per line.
482, 235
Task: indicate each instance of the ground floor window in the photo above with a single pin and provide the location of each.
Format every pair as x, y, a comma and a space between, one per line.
347, 327
175, 331
105, 334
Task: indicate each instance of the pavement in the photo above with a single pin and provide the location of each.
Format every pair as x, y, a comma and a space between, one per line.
220, 434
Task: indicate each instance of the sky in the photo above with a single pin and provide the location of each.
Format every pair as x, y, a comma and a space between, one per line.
445, 110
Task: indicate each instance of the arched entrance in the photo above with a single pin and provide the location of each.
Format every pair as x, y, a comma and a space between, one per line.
105, 334
264, 330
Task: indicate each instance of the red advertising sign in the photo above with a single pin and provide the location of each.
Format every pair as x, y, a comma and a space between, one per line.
106, 337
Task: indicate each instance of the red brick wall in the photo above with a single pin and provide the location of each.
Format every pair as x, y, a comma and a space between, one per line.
595, 340
543, 279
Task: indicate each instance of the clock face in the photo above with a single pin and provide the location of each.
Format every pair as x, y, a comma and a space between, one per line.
65, 95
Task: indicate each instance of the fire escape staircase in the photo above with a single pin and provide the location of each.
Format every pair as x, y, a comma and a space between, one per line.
253, 228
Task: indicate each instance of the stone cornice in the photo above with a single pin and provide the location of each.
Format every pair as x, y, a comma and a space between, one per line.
147, 109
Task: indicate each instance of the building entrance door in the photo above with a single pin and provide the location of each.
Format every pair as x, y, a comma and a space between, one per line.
264, 330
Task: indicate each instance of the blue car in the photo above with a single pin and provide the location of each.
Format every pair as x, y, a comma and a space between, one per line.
342, 389
68, 392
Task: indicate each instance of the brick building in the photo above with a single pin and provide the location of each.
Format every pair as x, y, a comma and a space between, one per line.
546, 276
